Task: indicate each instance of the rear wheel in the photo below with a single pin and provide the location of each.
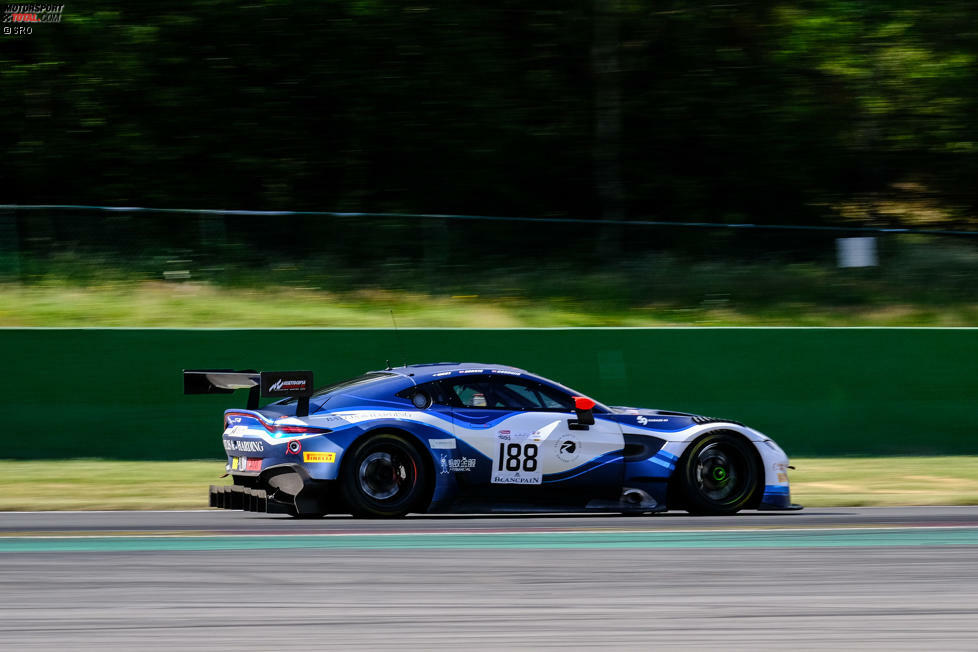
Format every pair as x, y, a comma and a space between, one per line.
719, 474
383, 477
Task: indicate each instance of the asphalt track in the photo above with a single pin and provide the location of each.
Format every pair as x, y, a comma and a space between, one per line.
843, 578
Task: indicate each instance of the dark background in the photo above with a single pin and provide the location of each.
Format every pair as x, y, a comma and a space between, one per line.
790, 112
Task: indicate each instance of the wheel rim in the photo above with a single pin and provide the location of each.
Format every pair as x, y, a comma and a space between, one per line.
722, 473
385, 474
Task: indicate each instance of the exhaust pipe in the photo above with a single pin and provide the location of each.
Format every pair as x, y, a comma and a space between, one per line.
637, 500
634, 497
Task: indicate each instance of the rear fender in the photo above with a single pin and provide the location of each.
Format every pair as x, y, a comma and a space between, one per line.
425, 440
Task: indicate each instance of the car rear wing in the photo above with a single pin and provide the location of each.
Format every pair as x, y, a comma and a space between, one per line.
275, 384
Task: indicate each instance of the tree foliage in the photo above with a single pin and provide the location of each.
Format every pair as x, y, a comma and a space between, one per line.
766, 111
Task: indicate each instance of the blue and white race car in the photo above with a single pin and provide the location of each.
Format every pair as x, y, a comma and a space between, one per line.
467, 437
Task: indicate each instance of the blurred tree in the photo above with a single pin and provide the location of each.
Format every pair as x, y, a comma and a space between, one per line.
607, 120
760, 111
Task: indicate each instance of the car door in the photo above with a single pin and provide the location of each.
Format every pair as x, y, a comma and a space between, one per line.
529, 435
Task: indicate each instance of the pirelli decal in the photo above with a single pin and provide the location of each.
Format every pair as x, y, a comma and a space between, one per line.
322, 458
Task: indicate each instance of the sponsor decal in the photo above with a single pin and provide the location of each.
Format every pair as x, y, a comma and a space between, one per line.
456, 464
507, 372
567, 448
443, 373
246, 464
367, 415
294, 447
644, 420
461, 464
545, 431
782, 470
321, 458
443, 444
472, 371
504, 432
244, 445
282, 385
517, 461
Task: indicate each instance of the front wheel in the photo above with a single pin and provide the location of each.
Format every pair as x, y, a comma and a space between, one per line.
719, 474
383, 477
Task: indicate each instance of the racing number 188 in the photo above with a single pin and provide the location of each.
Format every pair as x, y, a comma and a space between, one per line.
513, 457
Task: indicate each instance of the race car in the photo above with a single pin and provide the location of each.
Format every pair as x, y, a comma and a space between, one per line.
477, 438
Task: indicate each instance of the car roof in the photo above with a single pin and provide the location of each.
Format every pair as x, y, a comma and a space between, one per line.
422, 373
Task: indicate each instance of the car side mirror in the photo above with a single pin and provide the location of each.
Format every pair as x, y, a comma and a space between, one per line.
585, 417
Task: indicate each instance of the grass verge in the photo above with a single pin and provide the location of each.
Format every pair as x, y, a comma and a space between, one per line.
190, 305
817, 482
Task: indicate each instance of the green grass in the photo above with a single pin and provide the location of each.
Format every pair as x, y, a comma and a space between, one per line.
160, 304
100, 484
920, 282
817, 482
877, 481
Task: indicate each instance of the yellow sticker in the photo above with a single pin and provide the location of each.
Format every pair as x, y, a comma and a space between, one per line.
234, 463
309, 456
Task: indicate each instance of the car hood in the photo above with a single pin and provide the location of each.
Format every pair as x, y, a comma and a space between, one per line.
621, 409
663, 420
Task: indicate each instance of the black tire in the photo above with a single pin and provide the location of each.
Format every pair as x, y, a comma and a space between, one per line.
719, 475
383, 476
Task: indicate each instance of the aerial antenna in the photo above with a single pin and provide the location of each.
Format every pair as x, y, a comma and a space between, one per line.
400, 345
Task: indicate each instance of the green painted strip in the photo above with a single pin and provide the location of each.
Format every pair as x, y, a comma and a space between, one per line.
817, 392
510, 540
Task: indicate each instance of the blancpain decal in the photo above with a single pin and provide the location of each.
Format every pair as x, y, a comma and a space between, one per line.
516, 478
244, 445
282, 385
444, 444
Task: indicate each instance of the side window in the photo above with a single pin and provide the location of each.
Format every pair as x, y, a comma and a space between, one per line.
522, 394
429, 393
471, 391
504, 393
